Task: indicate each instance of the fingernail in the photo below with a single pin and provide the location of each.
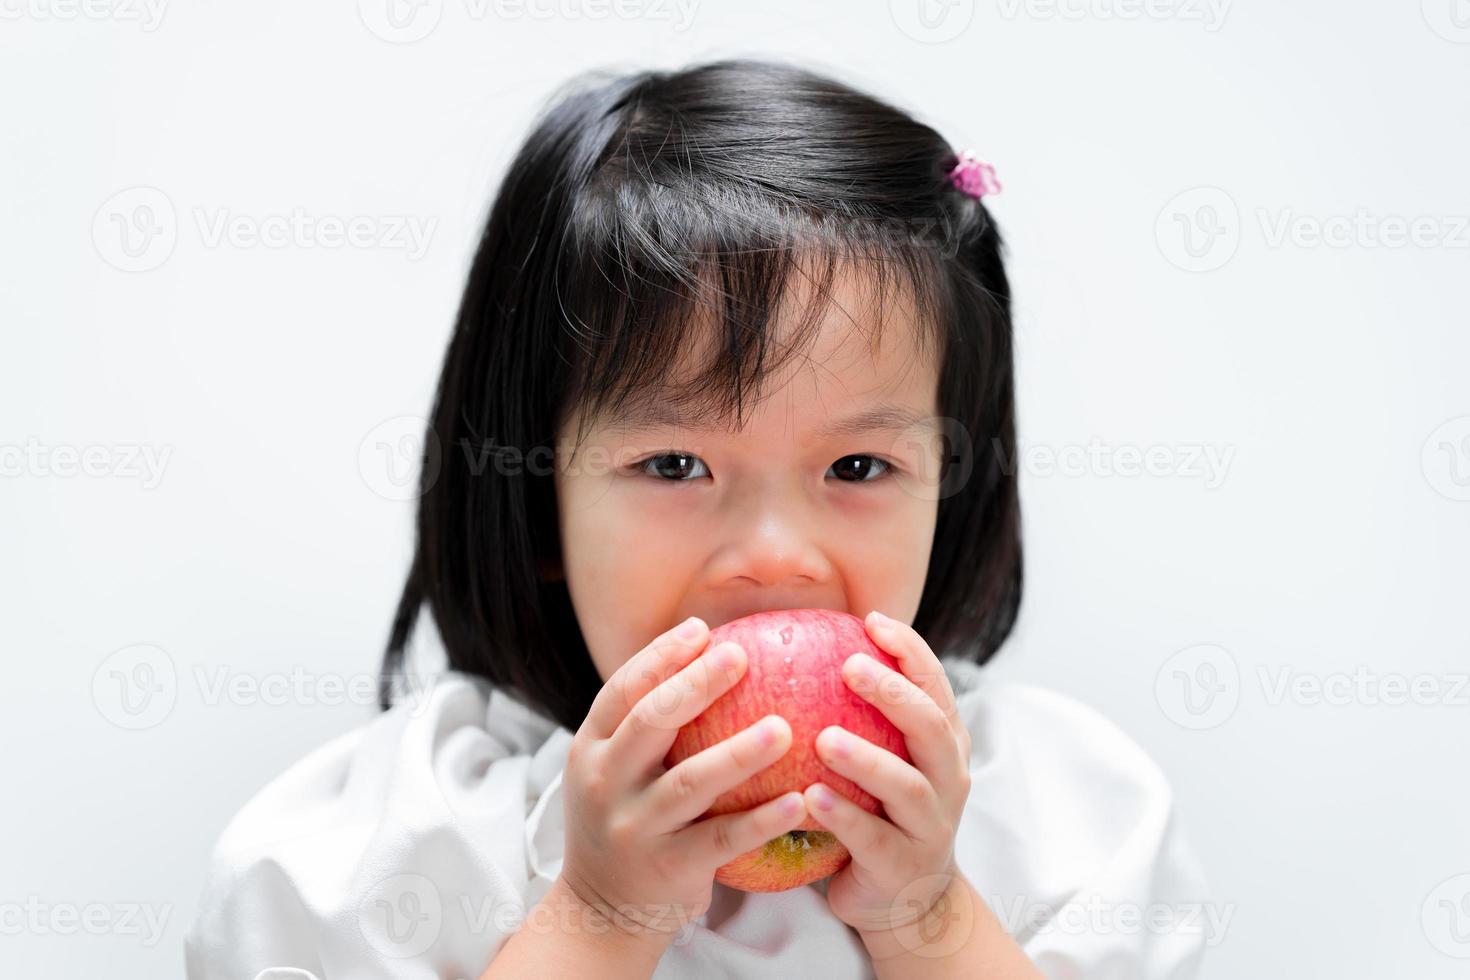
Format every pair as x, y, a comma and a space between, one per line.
838, 743
790, 804
862, 664
726, 655
823, 796
768, 729
878, 619
689, 629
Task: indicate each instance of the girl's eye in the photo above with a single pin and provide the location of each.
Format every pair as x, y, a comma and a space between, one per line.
677, 467
674, 467
861, 468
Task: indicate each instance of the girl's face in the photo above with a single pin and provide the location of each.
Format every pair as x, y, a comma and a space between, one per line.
803, 508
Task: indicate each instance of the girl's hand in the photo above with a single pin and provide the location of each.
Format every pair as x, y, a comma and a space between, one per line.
636, 851
900, 867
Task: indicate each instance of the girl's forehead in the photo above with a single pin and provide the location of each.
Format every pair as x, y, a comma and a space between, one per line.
855, 331
846, 382
831, 346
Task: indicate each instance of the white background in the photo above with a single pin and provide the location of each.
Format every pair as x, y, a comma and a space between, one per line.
1331, 549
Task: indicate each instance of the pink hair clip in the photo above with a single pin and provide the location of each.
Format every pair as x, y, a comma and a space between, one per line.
973, 176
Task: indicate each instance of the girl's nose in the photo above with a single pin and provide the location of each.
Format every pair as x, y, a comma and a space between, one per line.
775, 540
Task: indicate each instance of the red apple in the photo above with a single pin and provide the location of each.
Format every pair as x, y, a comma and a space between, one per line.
794, 663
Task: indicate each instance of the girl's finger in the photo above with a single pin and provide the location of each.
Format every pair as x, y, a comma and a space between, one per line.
932, 742
872, 840
691, 787
908, 798
714, 841
642, 672
643, 737
919, 664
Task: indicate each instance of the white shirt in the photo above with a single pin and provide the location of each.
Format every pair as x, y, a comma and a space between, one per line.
412, 847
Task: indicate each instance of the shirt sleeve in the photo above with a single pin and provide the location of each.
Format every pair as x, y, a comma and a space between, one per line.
407, 848
1072, 837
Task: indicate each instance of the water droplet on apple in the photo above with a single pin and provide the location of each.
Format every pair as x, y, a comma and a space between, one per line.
786, 635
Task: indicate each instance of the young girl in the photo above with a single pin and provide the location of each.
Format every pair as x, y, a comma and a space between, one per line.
736, 338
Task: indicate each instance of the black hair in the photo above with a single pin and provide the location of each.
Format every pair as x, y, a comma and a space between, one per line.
638, 200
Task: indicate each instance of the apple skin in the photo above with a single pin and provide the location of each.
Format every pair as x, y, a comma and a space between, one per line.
794, 663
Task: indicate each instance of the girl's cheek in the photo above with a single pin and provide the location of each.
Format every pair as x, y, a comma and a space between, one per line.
649, 498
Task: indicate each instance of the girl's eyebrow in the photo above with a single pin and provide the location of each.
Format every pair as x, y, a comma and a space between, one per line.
880, 418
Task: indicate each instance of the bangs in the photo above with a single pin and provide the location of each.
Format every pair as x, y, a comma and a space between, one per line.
671, 294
